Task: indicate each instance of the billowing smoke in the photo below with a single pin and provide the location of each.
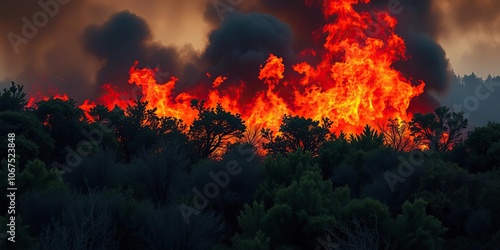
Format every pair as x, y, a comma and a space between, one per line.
303, 18
427, 60
126, 38
40, 47
242, 43
53, 44
85, 44
418, 25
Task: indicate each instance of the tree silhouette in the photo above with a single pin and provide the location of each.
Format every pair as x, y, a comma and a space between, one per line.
13, 98
32, 140
298, 132
214, 128
368, 140
66, 124
440, 130
138, 127
415, 229
100, 113
397, 135
483, 148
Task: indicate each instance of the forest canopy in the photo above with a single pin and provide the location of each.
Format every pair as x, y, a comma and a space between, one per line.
128, 179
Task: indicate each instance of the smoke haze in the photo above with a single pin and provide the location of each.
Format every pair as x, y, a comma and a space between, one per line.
89, 43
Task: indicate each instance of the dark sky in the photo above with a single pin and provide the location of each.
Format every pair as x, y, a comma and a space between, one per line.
86, 43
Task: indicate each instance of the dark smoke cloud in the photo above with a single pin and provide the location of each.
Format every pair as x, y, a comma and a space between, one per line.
56, 60
243, 42
76, 51
241, 45
418, 25
304, 19
126, 38
45, 60
414, 17
427, 62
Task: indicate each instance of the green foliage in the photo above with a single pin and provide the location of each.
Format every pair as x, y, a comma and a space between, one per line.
251, 219
297, 132
362, 224
281, 171
138, 127
13, 98
297, 206
368, 140
444, 187
125, 185
57, 113
65, 123
371, 211
488, 195
96, 171
332, 154
483, 148
238, 175
100, 113
37, 177
362, 170
259, 242
32, 141
159, 173
214, 128
34, 178
414, 229
310, 188
440, 130
139, 116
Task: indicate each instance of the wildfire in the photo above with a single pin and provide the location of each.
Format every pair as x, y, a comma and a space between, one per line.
354, 83
32, 100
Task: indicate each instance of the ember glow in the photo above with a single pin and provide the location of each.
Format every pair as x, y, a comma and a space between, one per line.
353, 84
32, 100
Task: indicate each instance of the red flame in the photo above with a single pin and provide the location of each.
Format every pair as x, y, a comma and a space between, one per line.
353, 84
32, 100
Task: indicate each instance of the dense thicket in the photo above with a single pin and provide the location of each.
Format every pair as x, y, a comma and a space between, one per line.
132, 180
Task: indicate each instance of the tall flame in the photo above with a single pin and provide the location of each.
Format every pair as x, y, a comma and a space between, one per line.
353, 84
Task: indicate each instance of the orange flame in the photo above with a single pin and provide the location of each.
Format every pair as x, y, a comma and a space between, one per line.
354, 83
